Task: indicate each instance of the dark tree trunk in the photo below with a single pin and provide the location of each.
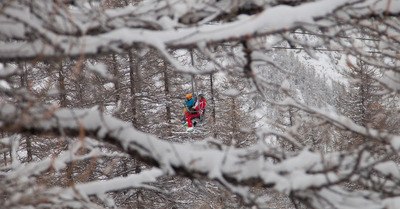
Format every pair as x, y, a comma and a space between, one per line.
132, 70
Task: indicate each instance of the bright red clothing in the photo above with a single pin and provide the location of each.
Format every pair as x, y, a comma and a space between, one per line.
200, 107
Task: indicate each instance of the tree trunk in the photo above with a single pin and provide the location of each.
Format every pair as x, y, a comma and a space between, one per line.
116, 78
61, 85
167, 95
29, 149
212, 103
292, 147
132, 69
166, 91
24, 84
234, 119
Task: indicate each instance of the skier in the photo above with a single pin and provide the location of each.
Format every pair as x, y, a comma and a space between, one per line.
199, 112
189, 102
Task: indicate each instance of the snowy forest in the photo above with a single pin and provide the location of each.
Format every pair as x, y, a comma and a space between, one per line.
302, 97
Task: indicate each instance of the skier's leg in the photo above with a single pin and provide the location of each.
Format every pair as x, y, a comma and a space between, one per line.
189, 119
190, 124
184, 115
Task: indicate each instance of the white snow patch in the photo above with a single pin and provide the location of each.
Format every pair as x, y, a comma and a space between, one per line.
388, 168
232, 92
101, 69
285, 85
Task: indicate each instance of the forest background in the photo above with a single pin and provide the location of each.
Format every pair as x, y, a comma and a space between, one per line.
302, 104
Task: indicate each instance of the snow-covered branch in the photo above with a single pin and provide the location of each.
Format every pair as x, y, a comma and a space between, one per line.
301, 174
79, 194
115, 36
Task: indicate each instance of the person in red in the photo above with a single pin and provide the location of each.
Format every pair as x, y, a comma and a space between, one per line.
199, 111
